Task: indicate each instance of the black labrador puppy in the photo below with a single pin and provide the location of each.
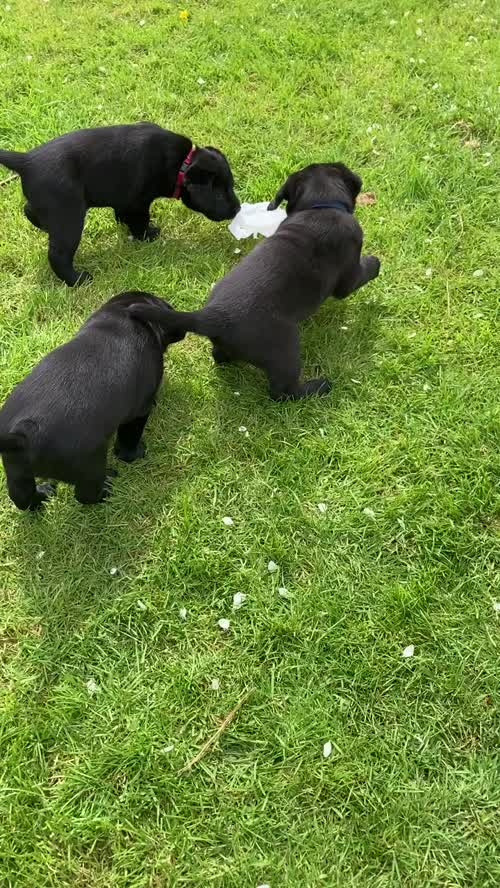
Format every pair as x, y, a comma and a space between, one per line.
124, 167
57, 423
253, 313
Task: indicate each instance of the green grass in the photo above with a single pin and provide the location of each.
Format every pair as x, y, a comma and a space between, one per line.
90, 797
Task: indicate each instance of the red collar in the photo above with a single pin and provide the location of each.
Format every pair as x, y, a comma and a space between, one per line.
182, 172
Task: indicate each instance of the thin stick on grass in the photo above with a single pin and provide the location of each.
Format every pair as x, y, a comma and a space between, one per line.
8, 179
213, 739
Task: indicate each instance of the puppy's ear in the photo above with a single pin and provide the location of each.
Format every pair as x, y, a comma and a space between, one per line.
280, 196
352, 180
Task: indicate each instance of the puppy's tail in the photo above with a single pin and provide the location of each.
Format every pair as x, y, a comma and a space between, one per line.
12, 442
175, 323
13, 160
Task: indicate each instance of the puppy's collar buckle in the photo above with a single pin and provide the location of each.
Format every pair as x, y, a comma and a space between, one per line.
182, 172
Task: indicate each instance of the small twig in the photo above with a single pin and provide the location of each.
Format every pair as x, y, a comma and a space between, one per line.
8, 179
213, 739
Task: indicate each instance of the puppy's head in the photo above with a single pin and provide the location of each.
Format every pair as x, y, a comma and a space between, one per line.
317, 183
208, 186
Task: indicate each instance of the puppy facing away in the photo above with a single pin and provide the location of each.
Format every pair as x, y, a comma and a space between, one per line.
57, 422
253, 313
124, 167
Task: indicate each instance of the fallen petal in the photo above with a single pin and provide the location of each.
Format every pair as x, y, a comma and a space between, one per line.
478, 273
223, 624
272, 567
322, 507
183, 613
369, 512
114, 571
409, 651
228, 521
141, 605
92, 687
201, 81
327, 749
283, 592
238, 600
496, 606
214, 684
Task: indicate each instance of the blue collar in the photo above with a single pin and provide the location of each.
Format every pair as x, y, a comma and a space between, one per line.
332, 205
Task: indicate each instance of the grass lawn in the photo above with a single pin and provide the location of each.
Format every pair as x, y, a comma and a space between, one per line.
107, 690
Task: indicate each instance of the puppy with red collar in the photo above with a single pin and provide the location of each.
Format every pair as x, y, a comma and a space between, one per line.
125, 167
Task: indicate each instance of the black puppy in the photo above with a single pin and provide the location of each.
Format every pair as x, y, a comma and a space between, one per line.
123, 167
253, 313
57, 423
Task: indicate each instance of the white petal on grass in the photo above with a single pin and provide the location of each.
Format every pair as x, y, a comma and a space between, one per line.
408, 651
166, 749
142, 23
426, 387
496, 607
322, 507
201, 81
223, 624
322, 433
356, 381
428, 272
113, 571
283, 592
369, 513
265, 885
92, 687
214, 684
40, 555
327, 749
237, 251
478, 273
272, 567
227, 521
238, 600
344, 328
141, 605
419, 32
183, 613
236, 394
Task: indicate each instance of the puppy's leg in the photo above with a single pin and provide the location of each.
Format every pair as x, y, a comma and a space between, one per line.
221, 354
128, 445
283, 370
367, 270
33, 217
94, 483
23, 490
138, 223
64, 236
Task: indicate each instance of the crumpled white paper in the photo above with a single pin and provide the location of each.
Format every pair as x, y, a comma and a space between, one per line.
256, 219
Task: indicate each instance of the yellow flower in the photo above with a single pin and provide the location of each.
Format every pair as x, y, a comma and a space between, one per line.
184, 15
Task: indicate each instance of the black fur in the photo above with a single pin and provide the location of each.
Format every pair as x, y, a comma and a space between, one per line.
58, 422
124, 167
253, 313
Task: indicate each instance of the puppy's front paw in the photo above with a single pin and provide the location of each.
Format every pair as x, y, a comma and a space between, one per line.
152, 233
372, 264
43, 493
319, 386
82, 278
130, 454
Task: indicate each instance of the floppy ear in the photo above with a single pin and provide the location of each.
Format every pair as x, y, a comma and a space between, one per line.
280, 196
352, 180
